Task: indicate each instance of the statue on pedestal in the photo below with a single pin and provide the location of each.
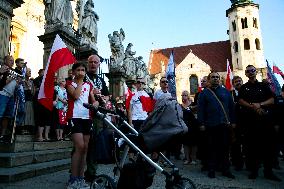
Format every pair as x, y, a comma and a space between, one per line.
117, 50
58, 12
88, 24
129, 62
141, 68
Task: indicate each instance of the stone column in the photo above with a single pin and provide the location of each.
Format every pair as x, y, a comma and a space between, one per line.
68, 38
116, 82
6, 14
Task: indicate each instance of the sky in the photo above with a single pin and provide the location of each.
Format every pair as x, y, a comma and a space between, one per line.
154, 24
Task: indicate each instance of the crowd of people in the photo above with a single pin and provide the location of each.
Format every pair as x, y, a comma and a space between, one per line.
240, 128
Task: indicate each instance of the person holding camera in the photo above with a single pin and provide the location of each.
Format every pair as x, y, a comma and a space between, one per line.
8, 85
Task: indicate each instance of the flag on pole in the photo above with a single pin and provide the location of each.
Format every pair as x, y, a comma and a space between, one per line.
273, 83
229, 77
128, 95
170, 74
277, 71
59, 56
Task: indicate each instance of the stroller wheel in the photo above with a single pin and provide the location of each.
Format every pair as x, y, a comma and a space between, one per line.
103, 182
184, 183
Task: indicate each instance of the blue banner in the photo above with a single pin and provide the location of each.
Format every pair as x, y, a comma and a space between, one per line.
273, 82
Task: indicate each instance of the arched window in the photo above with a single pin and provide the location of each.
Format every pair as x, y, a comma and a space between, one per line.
236, 46
257, 44
254, 23
234, 25
244, 22
193, 81
246, 44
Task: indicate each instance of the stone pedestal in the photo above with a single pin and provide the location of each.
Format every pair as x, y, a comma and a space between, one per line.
116, 82
6, 14
83, 53
68, 38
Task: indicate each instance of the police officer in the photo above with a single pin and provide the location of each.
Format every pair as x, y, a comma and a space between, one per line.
257, 98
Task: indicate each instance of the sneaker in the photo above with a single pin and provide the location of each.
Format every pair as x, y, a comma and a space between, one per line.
74, 185
83, 184
228, 174
193, 162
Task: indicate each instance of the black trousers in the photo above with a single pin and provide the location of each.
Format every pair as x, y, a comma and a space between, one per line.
218, 147
260, 143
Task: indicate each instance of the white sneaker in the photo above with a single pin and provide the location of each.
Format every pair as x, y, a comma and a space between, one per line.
193, 163
83, 185
74, 185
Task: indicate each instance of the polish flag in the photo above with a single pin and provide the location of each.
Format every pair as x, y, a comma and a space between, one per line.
128, 95
147, 102
59, 56
229, 78
277, 70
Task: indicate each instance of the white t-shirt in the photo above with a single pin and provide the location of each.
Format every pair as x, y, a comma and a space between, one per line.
136, 106
160, 93
76, 108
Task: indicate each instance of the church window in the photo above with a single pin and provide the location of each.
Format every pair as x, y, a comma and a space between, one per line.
244, 23
246, 44
191, 66
257, 44
236, 47
234, 25
193, 81
255, 23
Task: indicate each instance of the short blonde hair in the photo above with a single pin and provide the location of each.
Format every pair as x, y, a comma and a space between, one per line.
185, 92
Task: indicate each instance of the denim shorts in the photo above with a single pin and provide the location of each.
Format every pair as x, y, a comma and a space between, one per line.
7, 106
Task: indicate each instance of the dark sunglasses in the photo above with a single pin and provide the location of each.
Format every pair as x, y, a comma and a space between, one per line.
217, 77
139, 82
250, 71
164, 81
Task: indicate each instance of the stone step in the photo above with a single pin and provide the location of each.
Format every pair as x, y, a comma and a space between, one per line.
32, 170
23, 158
34, 146
24, 138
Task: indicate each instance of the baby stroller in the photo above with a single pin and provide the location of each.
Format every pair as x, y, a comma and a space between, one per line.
140, 172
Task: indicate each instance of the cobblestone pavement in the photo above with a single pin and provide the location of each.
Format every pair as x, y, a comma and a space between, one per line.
58, 180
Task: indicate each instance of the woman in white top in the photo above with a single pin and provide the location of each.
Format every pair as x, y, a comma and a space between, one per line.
79, 92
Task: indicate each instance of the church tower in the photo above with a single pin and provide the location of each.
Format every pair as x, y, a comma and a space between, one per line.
245, 37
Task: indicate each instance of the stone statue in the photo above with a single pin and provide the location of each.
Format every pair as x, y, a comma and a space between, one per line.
117, 49
58, 12
129, 62
88, 25
141, 68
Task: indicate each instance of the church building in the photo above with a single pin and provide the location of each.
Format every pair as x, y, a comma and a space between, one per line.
192, 62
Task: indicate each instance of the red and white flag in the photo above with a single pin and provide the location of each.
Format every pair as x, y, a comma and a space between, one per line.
277, 70
229, 77
59, 56
128, 95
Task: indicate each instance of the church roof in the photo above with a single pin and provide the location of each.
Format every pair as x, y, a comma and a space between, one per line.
215, 54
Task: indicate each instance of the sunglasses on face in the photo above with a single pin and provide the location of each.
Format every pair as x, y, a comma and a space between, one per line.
183, 95
138, 82
217, 77
250, 71
165, 81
